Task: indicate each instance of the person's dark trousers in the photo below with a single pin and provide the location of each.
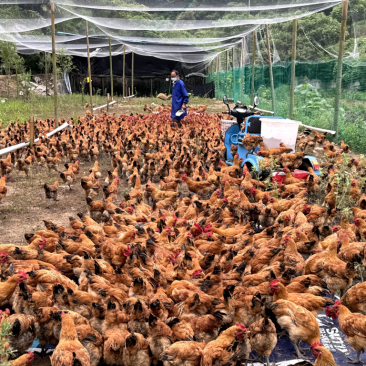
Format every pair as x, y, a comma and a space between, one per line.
177, 121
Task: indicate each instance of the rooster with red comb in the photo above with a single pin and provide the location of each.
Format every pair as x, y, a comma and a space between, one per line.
353, 325
300, 323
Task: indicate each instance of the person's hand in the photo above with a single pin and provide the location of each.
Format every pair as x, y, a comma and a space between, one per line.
184, 106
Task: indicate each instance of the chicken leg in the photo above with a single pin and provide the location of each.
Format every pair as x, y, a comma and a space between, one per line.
357, 360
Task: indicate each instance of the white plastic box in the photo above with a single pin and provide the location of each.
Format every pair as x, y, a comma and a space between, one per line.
277, 130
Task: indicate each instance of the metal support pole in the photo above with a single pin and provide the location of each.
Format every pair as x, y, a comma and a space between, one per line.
53, 29
89, 68
124, 69
31, 131
111, 66
253, 70
270, 68
293, 60
342, 38
132, 70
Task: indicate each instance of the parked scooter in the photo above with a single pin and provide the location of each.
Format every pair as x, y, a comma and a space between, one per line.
240, 112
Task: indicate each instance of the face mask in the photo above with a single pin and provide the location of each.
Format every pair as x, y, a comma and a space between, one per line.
174, 79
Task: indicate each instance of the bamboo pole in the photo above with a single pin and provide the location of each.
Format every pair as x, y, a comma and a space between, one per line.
270, 68
293, 60
242, 61
253, 69
111, 66
31, 131
89, 68
218, 75
124, 69
132, 70
53, 29
46, 71
342, 38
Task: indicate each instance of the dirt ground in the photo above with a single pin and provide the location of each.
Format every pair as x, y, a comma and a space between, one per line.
24, 206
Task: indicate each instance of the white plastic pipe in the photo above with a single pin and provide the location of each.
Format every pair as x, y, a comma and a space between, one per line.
102, 106
319, 129
9, 149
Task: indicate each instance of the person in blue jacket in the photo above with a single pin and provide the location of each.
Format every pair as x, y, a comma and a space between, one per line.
179, 98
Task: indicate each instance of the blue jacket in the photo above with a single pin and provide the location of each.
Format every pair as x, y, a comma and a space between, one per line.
179, 96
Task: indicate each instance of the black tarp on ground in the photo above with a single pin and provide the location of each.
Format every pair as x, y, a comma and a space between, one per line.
205, 90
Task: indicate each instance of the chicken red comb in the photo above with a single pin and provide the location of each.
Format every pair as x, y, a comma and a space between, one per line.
335, 227
184, 175
225, 199
316, 344
338, 302
242, 326
288, 237
4, 254
207, 228
43, 239
7, 311
274, 282
209, 233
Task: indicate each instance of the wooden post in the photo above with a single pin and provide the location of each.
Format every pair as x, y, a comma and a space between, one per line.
31, 131
111, 66
53, 28
129, 91
293, 60
132, 70
270, 68
124, 69
342, 38
253, 70
89, 68
107, 102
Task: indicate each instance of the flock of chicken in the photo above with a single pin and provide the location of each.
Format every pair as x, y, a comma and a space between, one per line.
202, 278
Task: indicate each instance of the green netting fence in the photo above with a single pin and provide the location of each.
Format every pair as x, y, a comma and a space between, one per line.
314, 94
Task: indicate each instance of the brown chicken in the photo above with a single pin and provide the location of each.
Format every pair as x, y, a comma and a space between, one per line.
314, 304
183, 354
352, 325
263, 337
24, 360
50, 192
3, 188
300, 323
69, 350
